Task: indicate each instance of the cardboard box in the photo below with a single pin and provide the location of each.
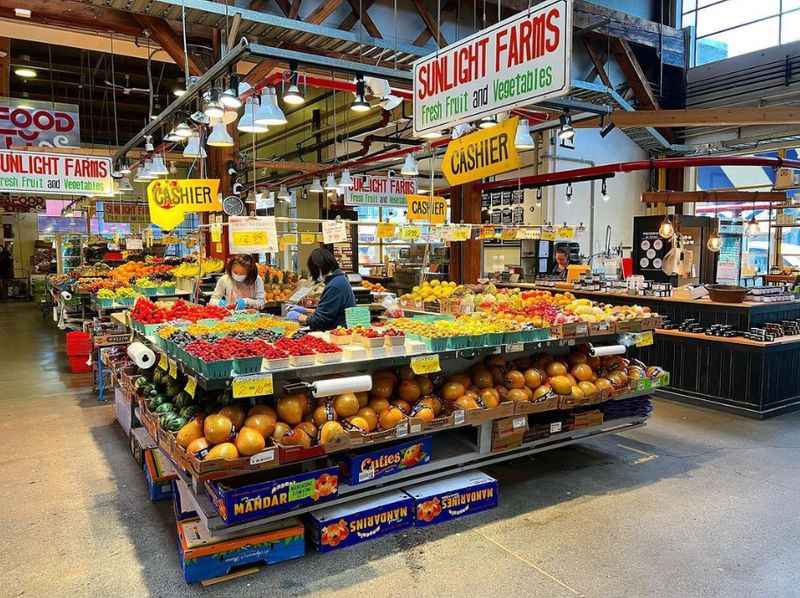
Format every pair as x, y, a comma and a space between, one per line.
181, 503
353, 523
453, 497
158, 474
587, 419
203, 557
254, 496
123, 409
508, 432
376, 462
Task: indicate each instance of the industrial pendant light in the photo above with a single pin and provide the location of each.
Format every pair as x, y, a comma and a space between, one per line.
230, 97
124, 166
213, 107
604, 192
752, 228
158, 166
194, 148
346, 182
219, 135
487, 122
410, 167
183, 130
360, 104
173, 137
248, 124
229, 116
539, 197
284, 194
293, 95
316, 186
125, 185
566, 132
666, 230
523, 139
433, 134
330, 183
714, 242
269, 113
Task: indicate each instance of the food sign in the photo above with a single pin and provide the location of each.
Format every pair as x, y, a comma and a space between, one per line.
379, 191
59, 174
170, 199
44, 124
520, 60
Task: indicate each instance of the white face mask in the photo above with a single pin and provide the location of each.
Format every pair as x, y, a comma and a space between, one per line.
239, 277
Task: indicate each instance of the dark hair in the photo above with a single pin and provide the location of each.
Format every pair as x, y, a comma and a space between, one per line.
246, 261
321, 263
563, 250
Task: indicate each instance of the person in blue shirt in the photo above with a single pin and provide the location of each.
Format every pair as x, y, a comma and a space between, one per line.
336, 297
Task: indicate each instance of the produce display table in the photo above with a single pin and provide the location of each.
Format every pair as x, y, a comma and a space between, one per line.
739, 375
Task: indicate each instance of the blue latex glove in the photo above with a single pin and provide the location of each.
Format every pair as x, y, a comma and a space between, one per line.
298, 308
294, 316
241, 303
222, 302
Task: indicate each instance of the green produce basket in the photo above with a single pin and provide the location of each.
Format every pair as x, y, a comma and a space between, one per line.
216, 369
514, 337
247, 365
166, 290
148, 291
149, 329
105, 303
460, 342
494, 338
126, 301
208, 322
435, 344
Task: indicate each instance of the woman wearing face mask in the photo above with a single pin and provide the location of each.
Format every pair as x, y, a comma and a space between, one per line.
240, 286
336, 297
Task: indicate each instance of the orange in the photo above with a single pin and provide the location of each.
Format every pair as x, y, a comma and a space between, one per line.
368, 414
249, 441
265, 424
290, 409
235, 413
346, 404
329, 431
390, 417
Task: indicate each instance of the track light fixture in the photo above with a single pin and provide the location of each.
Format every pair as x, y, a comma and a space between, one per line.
487, 122
523, 138
316, 186
569, 193
410, 167
293, 95
360, 104
230, 97
604, 191
566, 132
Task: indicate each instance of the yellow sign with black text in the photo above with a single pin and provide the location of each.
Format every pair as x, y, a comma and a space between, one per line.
426, 208
484, 153
169, 200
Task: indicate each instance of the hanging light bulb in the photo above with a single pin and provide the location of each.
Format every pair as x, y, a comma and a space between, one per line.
158, 166
148, 143
284, 194
293, 95
269, 113
125, 185
523, 139
604, 192
569, 194
173, 137
219, 136
410, 167
714, 242
213, 107
183, 130
124, 166
330, 183
346, 182
248, 124
539, 197
566, 132
230, 97
230, 116
752, 228
360, 104
316, 186
666, 230
487, 122
194, 148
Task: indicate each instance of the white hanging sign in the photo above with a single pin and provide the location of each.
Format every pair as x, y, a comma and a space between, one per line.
252, 234
520, 60
60, 174
334, 231
379, 191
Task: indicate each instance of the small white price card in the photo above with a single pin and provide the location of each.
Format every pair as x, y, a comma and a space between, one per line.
334, 231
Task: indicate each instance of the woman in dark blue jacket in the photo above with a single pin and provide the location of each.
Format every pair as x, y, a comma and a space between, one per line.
337, 295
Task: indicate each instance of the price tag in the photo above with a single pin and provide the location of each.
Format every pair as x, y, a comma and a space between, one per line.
301, 490
461, 233
216, 232
263, 457
357, 316
519, 422
385, 231
401, 429
528, 233
173, 369
515, 347
191, 386
508, 234
410, 233
548, 236
254, 385
366, 474
162, 361
287, 241
425, 364
415, 428
458, 417
555, 427
487, 232
252, 234
308, 238
566, 232
334, 231
248, 238
644, 339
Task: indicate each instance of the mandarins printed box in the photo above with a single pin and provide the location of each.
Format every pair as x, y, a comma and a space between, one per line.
254, 496
353, 523
368, 464
453, 497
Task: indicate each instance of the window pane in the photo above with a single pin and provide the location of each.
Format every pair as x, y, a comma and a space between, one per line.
790, 27
742, 40
688, 20
689, 5
790, 5
733, 13
702, 3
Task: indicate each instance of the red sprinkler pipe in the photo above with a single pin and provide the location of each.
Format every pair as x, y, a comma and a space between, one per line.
321, 82
598, 172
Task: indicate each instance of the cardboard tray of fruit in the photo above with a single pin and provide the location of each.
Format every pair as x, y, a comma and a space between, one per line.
149, 420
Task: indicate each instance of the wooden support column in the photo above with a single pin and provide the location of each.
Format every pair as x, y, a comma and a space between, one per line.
465, 257
5, 67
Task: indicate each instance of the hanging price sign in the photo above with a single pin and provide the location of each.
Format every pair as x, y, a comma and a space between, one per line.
566, 232
334, 231
256, 385
548, 236
462, 233
308, 238
252, 234
287, 241
162, 361
409, 233
385, 231
173, 369
216, 232
487, 232
508, 234
644, 339
425, 364
191, 386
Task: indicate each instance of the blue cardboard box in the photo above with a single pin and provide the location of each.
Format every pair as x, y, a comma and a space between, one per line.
180, 503
452, 497
203, 557
158, 474
367, 464
252, 497
356, 522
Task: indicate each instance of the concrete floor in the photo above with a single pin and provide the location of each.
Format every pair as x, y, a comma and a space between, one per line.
698, 503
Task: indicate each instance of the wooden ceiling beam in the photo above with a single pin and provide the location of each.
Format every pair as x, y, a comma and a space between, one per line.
74, 15
629, 64
701, 117
363, 16
165, 36
430, 23
425, 34
680, 197
598, 62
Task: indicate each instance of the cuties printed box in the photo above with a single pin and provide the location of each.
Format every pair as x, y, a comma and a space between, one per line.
252, 498
337, 527
364, 465
453, 497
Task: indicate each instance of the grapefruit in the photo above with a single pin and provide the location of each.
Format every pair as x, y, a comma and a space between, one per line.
265, 424
329, 431
290, 409
368, 414
235, 413
226, 450
217, 428
249, 441
346, 404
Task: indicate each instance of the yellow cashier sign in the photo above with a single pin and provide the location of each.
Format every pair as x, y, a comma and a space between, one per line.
484, 153
170, 199
426, 208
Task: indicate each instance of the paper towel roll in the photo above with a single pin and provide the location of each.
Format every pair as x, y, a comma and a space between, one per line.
337, 386
141, 355
607, 350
